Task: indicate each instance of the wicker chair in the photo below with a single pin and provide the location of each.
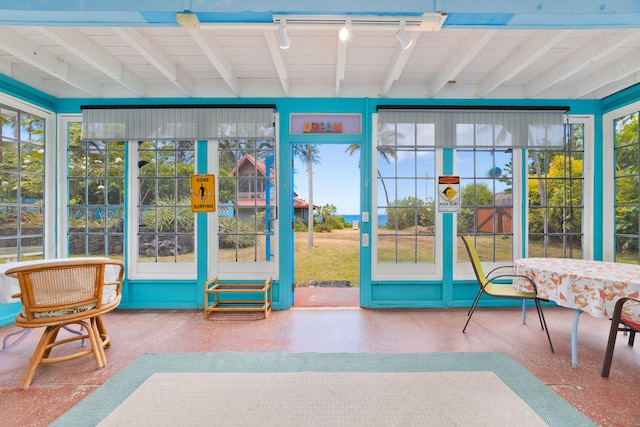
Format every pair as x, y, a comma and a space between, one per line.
59, 293
626, 318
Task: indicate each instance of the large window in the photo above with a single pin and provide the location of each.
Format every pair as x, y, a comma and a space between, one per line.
247, 199
486, 210
627, 196
95, 201
485, 148
22, 185
555, 198
165, 220
404, 241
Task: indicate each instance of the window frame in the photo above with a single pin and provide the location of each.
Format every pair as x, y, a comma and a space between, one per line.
585, 168
151, 270
49, 187
462, 268
243, 270
608, 184
399, 271
117, 234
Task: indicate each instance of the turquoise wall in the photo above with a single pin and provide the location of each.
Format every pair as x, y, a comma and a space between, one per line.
188, 294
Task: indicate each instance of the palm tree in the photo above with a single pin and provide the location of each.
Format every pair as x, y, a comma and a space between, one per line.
386, 154
308, 154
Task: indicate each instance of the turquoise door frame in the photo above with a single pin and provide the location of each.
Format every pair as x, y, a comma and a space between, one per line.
321, 141
287, 260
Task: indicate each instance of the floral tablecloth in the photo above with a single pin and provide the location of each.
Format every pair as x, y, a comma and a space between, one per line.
589, 286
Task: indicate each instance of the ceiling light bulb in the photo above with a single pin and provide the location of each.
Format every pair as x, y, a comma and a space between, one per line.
284, 42
405, 38
344, 33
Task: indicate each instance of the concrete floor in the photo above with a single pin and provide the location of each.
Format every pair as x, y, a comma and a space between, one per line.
327, 320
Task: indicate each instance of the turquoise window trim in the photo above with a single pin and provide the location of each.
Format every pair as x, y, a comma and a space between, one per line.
285, 213
524, 188
27, 94
202, 226
598, 182
448, 245
366, 175
125, 225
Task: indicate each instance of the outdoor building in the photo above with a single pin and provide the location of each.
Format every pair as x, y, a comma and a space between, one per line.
110, 112
301, 208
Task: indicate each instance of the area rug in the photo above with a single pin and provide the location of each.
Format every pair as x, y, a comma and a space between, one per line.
304, 389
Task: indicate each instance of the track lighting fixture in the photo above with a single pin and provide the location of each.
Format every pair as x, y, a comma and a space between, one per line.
405, 38
284, 41
345, 32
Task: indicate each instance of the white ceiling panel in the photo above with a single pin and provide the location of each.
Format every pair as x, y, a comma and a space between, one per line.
243, 60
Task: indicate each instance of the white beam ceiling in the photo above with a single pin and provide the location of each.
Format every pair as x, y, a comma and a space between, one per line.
156, 57
96, 56
245, 60
579, 59
38, 57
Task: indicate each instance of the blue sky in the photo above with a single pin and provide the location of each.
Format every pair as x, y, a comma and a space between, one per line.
335, 179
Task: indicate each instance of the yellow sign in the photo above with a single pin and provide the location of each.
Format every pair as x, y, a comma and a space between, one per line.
203, 193
449, 192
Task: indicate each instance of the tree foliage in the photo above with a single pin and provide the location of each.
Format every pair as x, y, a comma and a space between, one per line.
563, 186
627, 173
470, 197
411, 212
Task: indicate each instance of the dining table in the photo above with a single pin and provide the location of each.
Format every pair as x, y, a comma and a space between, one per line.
586, 286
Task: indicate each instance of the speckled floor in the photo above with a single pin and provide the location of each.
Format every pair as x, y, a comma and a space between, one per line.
338, 327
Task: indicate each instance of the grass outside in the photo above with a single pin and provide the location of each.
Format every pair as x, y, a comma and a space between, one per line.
334, 256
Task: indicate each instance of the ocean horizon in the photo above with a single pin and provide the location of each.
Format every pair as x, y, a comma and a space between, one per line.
382, 219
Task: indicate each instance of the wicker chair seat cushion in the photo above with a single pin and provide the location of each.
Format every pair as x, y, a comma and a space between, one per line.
109, 295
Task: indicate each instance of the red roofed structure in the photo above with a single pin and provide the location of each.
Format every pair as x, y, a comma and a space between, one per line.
251, 186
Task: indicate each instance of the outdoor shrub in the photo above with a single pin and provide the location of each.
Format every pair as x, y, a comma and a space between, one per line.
169, 214
411, 212
232, 238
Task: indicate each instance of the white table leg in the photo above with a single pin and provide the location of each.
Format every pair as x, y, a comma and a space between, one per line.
574, 338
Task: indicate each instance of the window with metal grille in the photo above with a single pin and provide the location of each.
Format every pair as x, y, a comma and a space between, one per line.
166, 226
555, 198
95, 203
247, 199
627, 190
405, 187
22, 185
486, 210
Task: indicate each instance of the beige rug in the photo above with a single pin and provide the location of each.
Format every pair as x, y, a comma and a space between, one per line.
324, 398
323, 389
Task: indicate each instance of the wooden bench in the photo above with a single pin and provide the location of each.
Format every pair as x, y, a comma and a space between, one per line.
238, 297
